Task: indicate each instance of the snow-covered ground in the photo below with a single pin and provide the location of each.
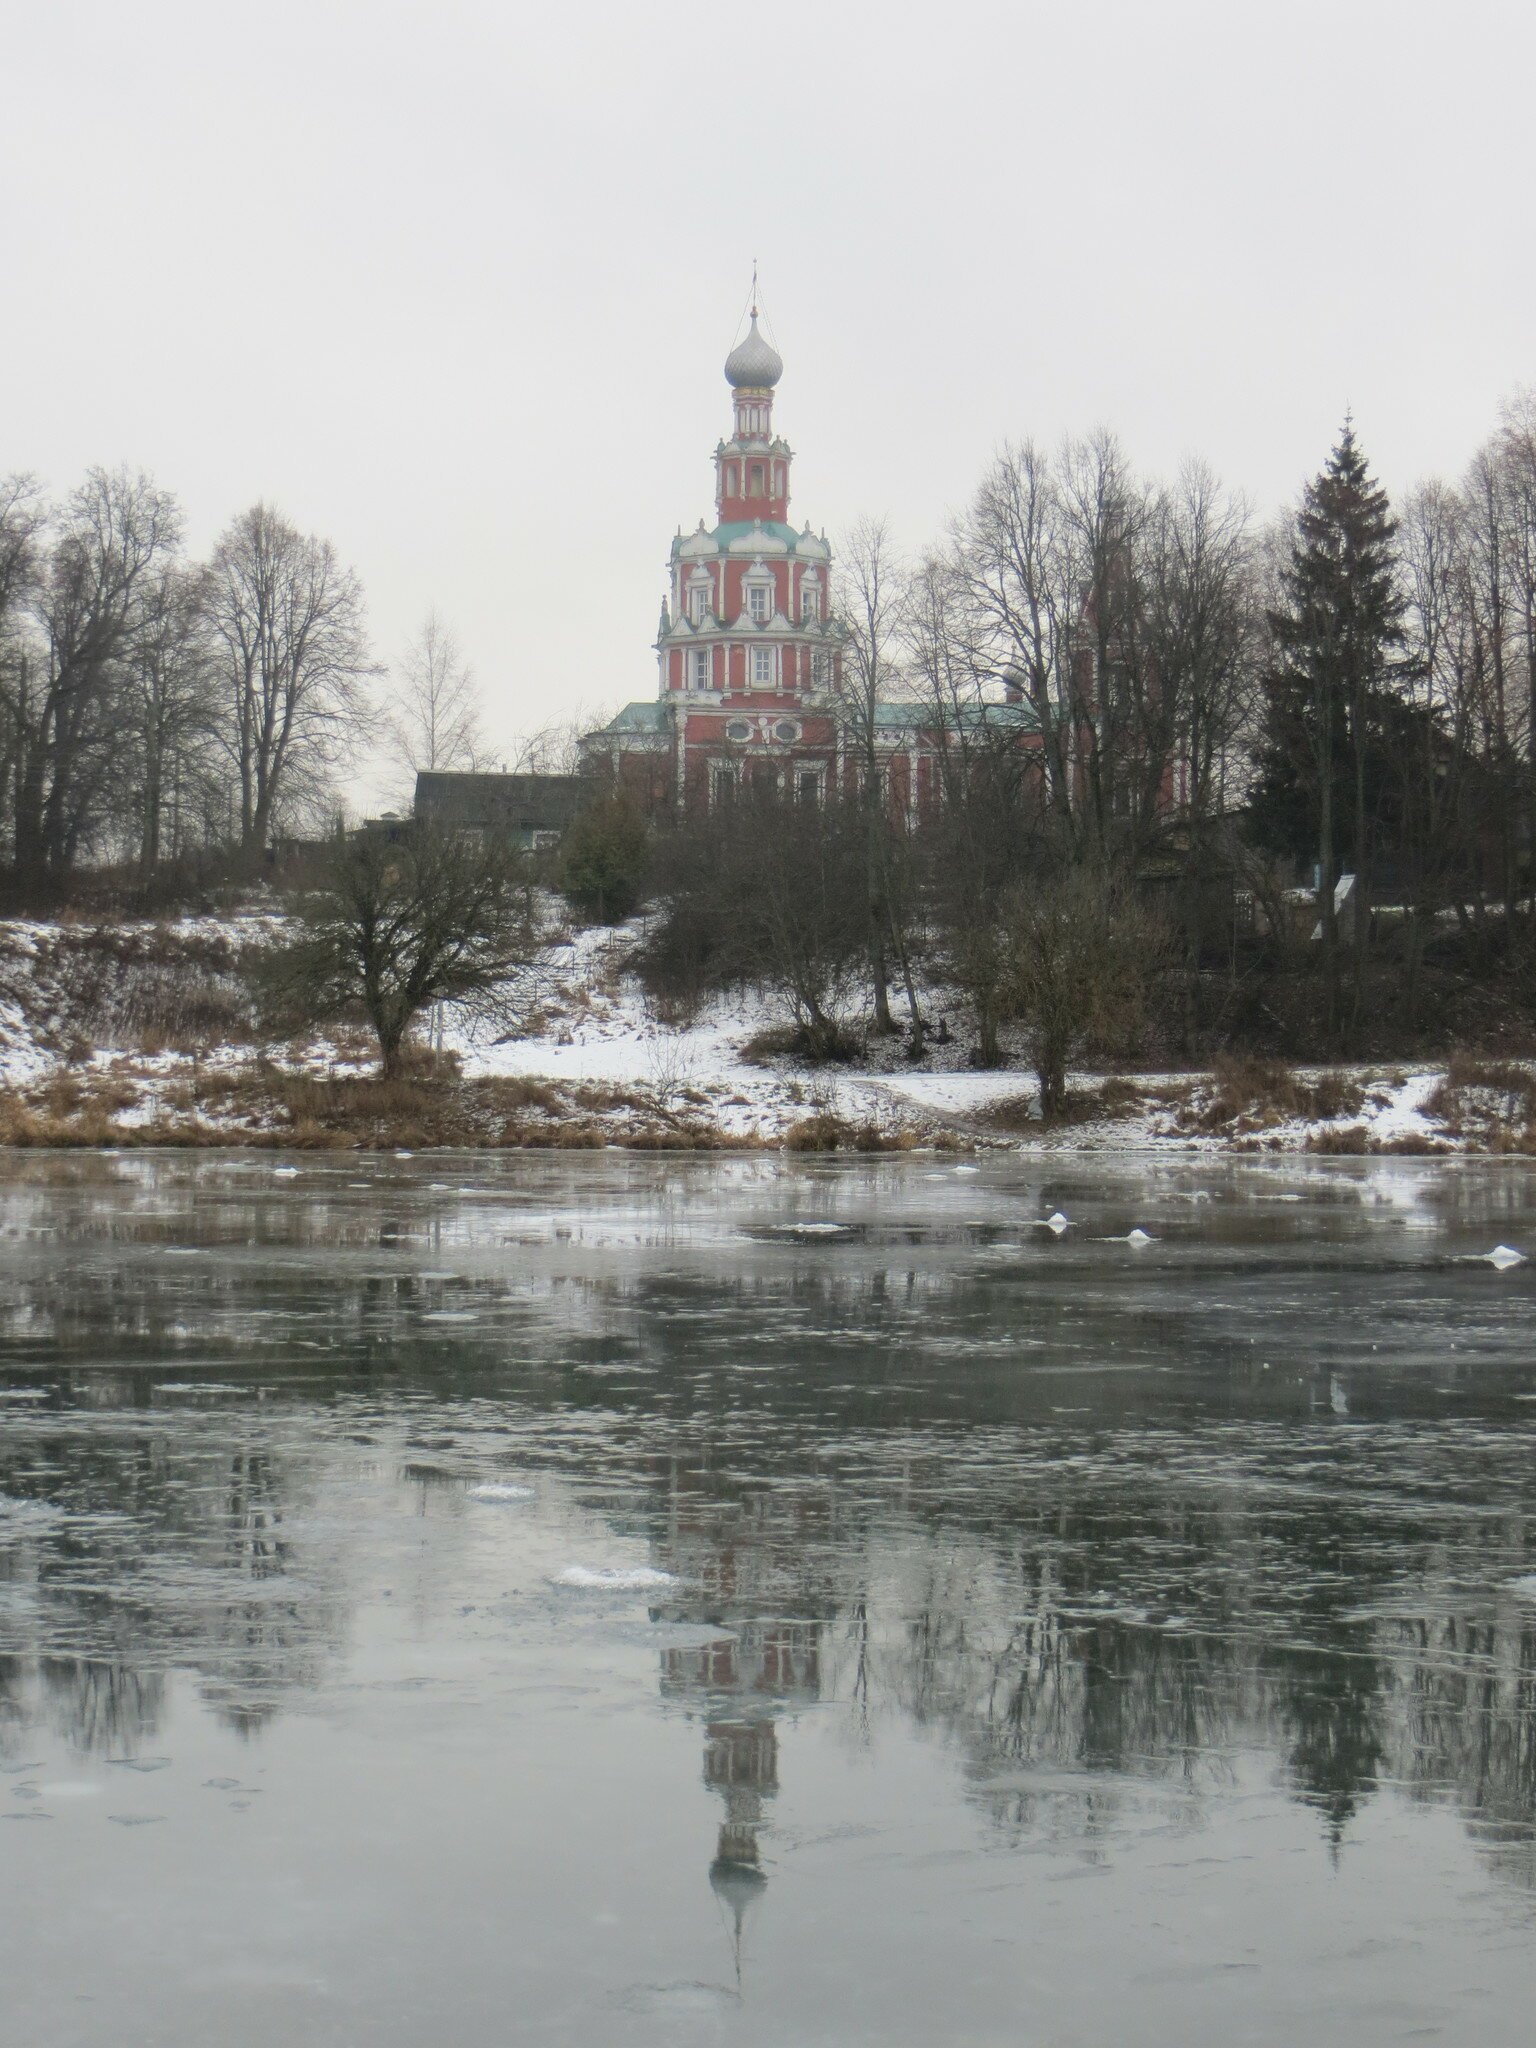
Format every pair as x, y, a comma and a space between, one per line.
148, 1028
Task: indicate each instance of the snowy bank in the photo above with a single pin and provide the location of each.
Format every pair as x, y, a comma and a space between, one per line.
145, 1033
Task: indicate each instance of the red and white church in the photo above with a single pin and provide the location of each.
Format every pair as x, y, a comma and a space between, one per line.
748, 651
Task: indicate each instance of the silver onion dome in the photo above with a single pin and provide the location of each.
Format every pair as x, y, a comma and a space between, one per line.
754, 364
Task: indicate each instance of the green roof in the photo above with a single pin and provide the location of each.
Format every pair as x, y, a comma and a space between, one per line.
648, 716
917, 716
734, 529
653, 714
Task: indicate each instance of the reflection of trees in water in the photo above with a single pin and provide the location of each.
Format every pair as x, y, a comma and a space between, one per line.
1028, 1615
1459, 1707
166, 1547
97, 1704
1109, 1635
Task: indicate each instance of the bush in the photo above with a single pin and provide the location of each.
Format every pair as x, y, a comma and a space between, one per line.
1079, 959
825, 1132
1252, 1094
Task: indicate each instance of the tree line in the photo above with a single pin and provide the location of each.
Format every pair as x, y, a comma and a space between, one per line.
1276, 776
1255, 778
153, 707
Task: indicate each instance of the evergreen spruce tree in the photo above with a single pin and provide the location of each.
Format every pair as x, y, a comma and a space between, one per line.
1338, 639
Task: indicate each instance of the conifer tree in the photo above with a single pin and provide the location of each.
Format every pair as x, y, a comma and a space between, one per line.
1338, 636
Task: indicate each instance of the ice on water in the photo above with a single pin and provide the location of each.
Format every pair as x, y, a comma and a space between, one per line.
614, 1578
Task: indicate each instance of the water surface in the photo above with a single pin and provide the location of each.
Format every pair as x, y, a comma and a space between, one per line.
634, 1601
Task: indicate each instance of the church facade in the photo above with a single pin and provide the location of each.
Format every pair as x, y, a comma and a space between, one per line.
748, 650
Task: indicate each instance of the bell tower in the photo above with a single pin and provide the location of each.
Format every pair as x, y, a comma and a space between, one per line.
752, 468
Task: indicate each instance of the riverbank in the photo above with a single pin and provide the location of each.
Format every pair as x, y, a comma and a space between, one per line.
145, 1035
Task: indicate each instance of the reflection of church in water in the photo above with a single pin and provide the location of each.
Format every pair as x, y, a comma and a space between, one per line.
743, 1570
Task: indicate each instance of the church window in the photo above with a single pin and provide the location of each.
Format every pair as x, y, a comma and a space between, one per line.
808, 786
722, 782
700, 666
730, 480
698, 603
762, 668
757, 603
807, 601
786, 732
755, 485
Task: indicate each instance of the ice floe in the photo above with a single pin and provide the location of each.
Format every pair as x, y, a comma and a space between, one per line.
604, 1578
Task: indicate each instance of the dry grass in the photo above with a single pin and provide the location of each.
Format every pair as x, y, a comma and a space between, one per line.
1490, 1101
427, 1106
1351, 1142
825, 1132
1251, 1095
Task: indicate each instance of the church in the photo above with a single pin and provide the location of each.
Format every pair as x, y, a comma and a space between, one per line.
748, 650
749, 654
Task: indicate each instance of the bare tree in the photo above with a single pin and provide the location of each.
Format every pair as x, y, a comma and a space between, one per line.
290, 623
1010, 551
110, 540
1078, 964
397, 925
1501, 716
1202, 642
172, 707
555, 748
1120, 740
434, 720
1442, 784
1516, 442
991, 813
871, 601
22, 516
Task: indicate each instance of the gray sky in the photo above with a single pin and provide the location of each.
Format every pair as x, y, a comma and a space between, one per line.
453, 283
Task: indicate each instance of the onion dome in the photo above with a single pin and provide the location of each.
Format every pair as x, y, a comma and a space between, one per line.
753, 364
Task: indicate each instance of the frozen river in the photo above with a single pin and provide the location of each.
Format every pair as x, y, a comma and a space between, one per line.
613, 1601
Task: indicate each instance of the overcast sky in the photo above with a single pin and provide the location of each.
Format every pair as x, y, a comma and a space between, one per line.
452, 283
